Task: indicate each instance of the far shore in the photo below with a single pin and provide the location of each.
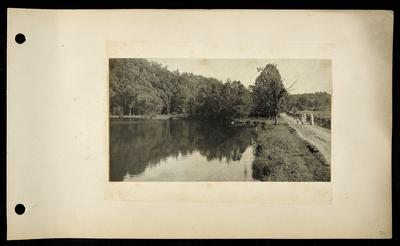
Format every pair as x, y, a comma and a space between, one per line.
156, 117
236, 121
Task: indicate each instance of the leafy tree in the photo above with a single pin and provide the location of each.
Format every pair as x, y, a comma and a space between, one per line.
237, 99
268, 92
147, 103
223, 102
138, 86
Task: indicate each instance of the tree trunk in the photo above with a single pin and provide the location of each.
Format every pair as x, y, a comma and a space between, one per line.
276, 116
167, 108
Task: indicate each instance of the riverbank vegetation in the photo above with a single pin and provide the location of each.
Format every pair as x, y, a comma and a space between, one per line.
281, 155
139, 87
142, 87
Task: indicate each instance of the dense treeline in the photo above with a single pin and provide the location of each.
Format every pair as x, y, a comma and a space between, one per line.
309, 101
142, 87
138, 86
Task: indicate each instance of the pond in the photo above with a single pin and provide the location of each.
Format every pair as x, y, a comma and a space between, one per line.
179, 150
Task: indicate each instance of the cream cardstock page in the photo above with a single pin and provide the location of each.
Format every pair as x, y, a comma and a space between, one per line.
58, 125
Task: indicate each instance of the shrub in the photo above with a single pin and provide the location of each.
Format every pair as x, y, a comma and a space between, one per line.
260, 169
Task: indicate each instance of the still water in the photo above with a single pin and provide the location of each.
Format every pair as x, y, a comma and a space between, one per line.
179, 150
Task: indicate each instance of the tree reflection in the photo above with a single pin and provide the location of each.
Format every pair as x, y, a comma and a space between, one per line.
136, 144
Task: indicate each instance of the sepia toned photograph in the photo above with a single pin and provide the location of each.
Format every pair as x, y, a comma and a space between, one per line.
199, 124
219, 120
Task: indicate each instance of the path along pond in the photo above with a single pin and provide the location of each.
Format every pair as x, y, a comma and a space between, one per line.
180, 150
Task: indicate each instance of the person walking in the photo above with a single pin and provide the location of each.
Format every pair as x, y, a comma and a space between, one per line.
311, 119
298, 120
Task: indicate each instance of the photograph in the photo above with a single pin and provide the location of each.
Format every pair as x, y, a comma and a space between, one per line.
220, 120
199, 123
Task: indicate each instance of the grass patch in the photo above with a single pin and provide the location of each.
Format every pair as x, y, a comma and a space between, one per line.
281, 155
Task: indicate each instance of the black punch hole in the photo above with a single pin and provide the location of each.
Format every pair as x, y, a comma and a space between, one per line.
20, 38
20, 209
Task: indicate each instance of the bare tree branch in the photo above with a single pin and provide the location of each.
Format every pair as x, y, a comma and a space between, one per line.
290, 88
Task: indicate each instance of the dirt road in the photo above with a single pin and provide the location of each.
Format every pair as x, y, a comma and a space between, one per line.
316, 135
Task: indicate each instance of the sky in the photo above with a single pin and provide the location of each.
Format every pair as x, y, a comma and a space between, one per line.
310, 75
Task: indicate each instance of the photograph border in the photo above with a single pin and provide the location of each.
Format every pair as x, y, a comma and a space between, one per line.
285, 4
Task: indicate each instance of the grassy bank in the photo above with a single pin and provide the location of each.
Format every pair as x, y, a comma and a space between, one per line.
281, 155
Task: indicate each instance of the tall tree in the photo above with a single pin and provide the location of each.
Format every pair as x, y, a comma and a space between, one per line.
268, 91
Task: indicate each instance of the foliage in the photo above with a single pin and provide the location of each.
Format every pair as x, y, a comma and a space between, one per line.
268, 92
222, 102
138, 86
318, 101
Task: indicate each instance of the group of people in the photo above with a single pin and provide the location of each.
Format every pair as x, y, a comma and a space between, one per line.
302, 119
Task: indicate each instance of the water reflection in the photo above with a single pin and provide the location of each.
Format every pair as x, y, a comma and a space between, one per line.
179, 150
